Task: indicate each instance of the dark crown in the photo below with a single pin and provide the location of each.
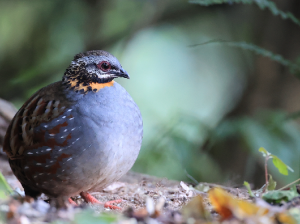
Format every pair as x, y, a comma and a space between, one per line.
92, 53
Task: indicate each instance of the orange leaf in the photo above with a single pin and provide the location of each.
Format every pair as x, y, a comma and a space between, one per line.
245, 209
285, 218
228, 206
220, 201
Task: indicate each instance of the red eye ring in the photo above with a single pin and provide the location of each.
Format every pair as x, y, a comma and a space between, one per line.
104, 66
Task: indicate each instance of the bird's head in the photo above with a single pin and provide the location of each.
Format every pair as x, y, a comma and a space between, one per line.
93, 70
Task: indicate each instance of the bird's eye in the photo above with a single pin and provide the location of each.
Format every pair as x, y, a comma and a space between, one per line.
104, 66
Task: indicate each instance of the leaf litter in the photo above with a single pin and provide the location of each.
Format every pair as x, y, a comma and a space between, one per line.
147, 199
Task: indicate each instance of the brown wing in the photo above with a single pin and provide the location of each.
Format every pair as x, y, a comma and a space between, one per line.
38, 109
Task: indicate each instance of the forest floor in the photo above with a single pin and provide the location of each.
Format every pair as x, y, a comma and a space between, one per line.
145, 199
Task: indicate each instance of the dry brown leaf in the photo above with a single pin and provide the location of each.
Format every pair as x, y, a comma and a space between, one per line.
285, 218
228, 206
195, 209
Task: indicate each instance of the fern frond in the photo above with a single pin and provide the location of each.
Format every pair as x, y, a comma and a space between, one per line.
294, 67
262, 4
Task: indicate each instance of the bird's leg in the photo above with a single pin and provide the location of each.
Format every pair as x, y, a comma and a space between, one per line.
89, 198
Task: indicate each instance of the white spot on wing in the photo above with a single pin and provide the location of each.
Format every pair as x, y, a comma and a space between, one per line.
48, 108
40, 101
36, 110
56, 103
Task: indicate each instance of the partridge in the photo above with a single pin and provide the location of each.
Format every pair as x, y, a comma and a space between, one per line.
77, 135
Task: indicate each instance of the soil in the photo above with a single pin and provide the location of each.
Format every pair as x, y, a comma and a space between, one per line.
138, 192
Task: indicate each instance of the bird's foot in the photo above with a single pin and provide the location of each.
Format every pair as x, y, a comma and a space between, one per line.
108, 204
89, 198
72, 202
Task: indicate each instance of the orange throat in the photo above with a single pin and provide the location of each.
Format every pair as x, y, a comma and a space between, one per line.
93, 86
97, 86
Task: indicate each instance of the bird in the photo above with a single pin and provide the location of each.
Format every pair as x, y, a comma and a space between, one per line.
77, 135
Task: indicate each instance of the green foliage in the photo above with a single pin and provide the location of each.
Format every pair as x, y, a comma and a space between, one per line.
295, 212
270, 187
293, 116
266, 128
264, 151
277, 197
281, 166
272, 184
176, 146
60, 222
247, 185
293, 67
262, 4
89, 216
5, 189
249, 132
2, 217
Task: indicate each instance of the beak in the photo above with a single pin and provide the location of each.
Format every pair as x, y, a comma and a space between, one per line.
123, 74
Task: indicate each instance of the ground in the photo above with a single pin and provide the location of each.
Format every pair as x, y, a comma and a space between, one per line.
146, 199
133, 189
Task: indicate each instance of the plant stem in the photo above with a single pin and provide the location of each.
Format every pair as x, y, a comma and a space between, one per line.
288, 185
266, 172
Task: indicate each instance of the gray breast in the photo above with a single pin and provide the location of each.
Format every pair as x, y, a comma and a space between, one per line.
111, 131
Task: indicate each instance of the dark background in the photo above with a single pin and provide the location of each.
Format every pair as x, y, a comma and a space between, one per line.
207, 109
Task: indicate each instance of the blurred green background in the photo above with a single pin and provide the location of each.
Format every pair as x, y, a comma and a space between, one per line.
206, 109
